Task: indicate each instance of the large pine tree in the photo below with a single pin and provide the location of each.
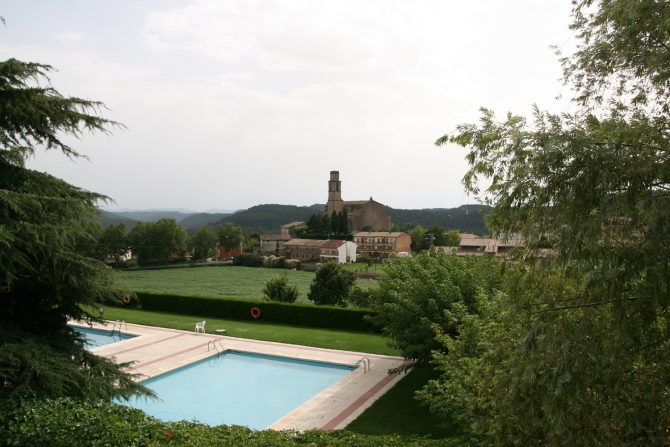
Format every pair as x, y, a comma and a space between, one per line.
45, 276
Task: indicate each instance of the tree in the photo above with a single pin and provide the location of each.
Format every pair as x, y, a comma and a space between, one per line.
419, 238
331, 285
250, 244
452, 238
278, 289
44, 277
334, 223
230, 236
592, 185
344, 222
415, 292
438, 234
202, 241
114, 241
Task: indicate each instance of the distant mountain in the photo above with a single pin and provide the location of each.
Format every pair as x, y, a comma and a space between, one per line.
271, 217
108, 219
218, 211
153, 216
198, 220
465, 218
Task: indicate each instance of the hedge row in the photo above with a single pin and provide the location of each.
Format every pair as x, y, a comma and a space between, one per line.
70, 423
329, 317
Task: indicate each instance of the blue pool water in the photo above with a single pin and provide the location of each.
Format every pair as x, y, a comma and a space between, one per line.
95, 339
238, 388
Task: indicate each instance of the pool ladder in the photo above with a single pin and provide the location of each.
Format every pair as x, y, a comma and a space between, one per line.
119, 323
366, 366
213, 344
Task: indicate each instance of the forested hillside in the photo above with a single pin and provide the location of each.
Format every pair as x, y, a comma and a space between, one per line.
465, 218
271, 217
196, 221
107, 219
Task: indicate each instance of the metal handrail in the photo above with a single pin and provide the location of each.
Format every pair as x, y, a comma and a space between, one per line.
366, 367
213, 342
119, 322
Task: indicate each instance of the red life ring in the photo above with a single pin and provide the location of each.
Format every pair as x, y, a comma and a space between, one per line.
255, 312
126, 299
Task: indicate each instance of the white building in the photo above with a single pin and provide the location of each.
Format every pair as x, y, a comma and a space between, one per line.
341, 251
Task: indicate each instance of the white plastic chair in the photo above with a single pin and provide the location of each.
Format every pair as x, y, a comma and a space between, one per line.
200, 327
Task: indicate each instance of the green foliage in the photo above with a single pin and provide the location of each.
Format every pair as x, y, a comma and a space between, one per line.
270, 216
452, 238
344, 222
202, 242
335, 223
274, 262
250, 245
439, 236
70, 423
46, 235
230, 236
115, 241
585, 359
330, 317
416, 292
278, 289
359, 297
248, 260
465, 218
331, 285
319, 224
154, 242
419, 238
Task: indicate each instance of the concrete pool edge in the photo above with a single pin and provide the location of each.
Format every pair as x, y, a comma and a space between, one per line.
160, 350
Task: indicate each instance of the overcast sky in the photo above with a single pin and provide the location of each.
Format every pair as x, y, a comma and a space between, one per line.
230, 104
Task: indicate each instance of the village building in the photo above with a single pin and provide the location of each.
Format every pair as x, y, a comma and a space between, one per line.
340, 251
272, 243
228, 254
378, 244
289, 228
481, 246
361, 214
304, 250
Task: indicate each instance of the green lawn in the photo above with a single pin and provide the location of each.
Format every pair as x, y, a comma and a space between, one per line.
259, 330
397, 412
224, 282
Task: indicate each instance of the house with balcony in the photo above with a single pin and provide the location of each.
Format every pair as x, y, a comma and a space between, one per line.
379, 244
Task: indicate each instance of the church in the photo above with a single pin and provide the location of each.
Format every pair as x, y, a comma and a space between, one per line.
362, 214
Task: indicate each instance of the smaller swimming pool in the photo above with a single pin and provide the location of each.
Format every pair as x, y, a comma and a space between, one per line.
238, 388
96, 338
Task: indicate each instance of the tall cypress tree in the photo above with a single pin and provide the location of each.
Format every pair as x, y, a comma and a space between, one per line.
344, 222
335, 222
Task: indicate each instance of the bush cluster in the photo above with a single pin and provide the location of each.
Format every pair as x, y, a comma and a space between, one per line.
248, 260
278, 289
71, 423
257, 260
328, 317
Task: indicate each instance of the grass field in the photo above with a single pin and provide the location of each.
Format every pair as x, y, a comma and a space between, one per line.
259, 330
224, 282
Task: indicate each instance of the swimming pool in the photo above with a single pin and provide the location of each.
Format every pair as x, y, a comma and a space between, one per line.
96, 338
238, 388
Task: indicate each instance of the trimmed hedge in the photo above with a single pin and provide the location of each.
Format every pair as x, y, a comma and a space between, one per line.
328, 317
71, 423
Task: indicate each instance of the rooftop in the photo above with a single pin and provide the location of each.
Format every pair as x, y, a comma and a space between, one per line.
305, 243
378, 234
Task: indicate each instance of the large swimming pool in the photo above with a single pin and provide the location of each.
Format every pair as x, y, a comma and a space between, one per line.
96, 338
238, 388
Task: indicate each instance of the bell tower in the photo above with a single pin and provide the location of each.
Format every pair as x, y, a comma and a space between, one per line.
334, 193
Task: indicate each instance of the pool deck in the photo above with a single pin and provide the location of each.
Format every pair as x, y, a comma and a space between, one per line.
159, 350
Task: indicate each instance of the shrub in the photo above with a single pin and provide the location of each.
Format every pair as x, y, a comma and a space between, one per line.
360, 298
274, 262
248, 260
293, 264
71, 423
278, 289
296, 314
331, 285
